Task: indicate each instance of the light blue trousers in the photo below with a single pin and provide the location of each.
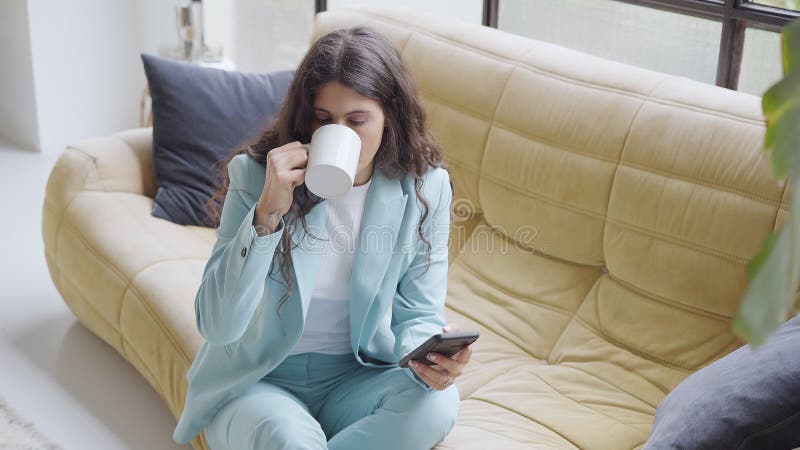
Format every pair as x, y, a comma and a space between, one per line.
319, 401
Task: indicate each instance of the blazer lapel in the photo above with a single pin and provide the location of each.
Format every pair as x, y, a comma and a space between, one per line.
377, 241
308, 253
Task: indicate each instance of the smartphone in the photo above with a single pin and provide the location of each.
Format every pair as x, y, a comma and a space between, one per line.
445, 343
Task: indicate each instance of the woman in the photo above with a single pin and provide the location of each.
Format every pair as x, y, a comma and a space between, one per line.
315, 365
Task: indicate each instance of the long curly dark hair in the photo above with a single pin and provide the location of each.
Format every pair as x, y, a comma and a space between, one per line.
368, 63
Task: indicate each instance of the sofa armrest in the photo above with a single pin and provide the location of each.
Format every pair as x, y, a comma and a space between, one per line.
121, 162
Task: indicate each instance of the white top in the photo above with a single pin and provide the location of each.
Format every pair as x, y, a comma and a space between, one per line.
327, 327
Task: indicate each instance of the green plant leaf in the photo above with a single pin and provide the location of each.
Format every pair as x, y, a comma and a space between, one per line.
790, 45
765, 305
781, 105
774, 271
794, 233
781, 96
774, 279
766, 248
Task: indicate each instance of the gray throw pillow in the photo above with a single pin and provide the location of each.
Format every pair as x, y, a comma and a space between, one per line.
201, 115
748, 399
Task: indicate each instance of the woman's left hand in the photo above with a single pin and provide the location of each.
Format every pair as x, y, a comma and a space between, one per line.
445, 369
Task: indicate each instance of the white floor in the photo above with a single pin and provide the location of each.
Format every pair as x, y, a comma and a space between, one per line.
76, 389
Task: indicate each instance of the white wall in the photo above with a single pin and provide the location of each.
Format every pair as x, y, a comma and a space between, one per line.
156, 27
18, 121
85, 71
72, 70
466, 10
270, 35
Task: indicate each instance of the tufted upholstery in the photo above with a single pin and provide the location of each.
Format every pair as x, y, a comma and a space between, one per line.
602, 220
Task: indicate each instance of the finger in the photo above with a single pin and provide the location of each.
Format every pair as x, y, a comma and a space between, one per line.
298, 177
419, 370
463, 355
440, 379
445, 361
295, 158
291, 146
284, 149
430, 376
440, 369
451, 328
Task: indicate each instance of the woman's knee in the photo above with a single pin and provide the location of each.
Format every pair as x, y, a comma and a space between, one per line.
437, 414
287, 434
448, 408
272, 432
264, 417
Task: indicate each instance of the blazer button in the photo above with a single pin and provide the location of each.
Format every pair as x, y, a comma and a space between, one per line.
244, 252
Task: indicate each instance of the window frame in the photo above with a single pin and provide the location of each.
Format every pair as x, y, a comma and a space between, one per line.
735, 15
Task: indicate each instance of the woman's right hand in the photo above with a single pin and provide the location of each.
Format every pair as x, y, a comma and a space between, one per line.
286, 169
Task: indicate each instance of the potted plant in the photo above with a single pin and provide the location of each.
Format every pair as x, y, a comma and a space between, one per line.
774, 271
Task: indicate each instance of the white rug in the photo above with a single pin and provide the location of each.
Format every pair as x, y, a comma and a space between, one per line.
16, 433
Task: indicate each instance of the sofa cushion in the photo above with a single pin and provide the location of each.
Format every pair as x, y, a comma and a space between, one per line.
100, 227
749, 399
549, 406
492, 356
201, 115
527, 297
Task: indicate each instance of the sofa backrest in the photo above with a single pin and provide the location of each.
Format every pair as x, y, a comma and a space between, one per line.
644, 193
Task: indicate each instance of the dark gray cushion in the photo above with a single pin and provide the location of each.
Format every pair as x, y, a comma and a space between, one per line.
200, 115
749, 399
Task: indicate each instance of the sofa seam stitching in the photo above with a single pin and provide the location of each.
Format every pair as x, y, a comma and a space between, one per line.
124, 342
494, 432
689, 245
708, 184
668, 301
618, 388
541, 197
63, 276
492, 402
535, 301
482, 223
557, 391
463, 313
619, 161
556, 145
71, 201
565, 78
129, 286
642, 353
491, 125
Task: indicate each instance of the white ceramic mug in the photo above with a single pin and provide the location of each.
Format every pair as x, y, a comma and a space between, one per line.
332, 160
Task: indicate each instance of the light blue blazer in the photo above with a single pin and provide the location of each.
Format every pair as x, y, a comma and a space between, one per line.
394, 306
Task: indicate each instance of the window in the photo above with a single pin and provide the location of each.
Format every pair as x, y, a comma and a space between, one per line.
761, 61
730, 43
466, 10
659, 40
792, 5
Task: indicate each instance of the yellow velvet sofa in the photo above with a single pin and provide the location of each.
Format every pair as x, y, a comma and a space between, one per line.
602, 221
